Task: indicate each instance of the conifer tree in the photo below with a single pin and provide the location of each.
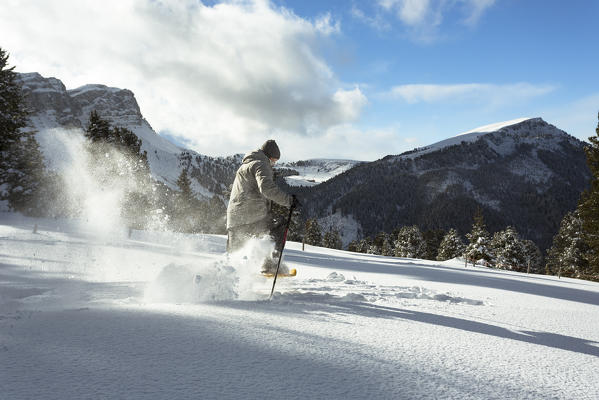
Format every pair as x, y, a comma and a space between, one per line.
184, 184
432, 241
451, 246
21, 162
313, 235
364, 245
508, 250
332, 239
98, 129
409, 243
479, 243
186, 215
387, 249
589, 207
353, 246
217, 221
104, 137
532, 257
567, 255
372, 249
376, 247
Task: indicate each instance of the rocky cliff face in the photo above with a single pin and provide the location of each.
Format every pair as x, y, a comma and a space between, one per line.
53, 106
117, 105
49, 102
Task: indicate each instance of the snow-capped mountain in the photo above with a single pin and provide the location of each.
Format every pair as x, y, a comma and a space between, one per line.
525, 173
468, 137
315, 171
53, 106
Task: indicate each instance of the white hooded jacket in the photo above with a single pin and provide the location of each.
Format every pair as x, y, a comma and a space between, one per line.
253, 190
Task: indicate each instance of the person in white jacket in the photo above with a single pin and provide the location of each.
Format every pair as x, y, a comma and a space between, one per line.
249, 210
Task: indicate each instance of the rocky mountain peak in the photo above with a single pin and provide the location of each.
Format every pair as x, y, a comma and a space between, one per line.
52, 105
49, 102
35, 82
115, 104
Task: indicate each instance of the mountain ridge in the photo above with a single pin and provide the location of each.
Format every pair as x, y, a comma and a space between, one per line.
55, 106
539, 170
469, 136
527, 175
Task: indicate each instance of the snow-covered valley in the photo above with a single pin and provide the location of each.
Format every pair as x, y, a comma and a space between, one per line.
315, 171
98, 314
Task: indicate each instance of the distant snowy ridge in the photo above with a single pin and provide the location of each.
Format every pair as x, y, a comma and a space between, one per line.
315, 171
469, 136
505, 139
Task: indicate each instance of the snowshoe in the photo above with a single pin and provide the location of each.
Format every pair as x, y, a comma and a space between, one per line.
282, 274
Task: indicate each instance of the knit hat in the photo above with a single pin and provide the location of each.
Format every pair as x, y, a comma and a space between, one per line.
271, 149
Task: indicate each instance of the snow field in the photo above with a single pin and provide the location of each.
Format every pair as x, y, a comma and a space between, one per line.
84, 315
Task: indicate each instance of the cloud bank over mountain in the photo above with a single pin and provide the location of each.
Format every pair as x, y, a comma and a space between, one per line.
221, 78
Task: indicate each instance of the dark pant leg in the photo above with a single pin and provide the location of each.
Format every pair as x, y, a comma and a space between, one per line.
277, 232
237, 236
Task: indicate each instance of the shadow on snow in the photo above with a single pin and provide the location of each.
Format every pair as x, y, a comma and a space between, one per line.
312, 304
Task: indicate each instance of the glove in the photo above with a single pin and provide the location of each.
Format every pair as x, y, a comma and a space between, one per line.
295, 202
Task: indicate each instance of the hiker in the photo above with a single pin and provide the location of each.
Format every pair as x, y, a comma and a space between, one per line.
249, 210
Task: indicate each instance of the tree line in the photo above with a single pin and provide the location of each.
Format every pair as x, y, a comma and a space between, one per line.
505, 249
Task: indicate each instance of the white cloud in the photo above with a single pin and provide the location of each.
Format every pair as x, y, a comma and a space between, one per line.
413, 12
324, 24
479, 93
350, 103
578, 118
475, 9
423, 18
348, 141
377, 22
220, 77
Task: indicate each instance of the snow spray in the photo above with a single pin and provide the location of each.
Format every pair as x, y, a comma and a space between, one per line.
234, 276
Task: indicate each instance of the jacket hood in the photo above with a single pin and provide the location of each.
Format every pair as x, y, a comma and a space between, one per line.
256, 155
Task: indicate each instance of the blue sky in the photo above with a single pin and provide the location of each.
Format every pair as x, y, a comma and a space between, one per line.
545, 51
326, 79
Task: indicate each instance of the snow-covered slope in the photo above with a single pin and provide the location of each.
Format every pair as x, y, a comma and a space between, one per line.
88, 316
55, 108
315, 171
515, 126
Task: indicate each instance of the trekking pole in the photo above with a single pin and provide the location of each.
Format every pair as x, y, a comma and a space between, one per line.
281, 255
